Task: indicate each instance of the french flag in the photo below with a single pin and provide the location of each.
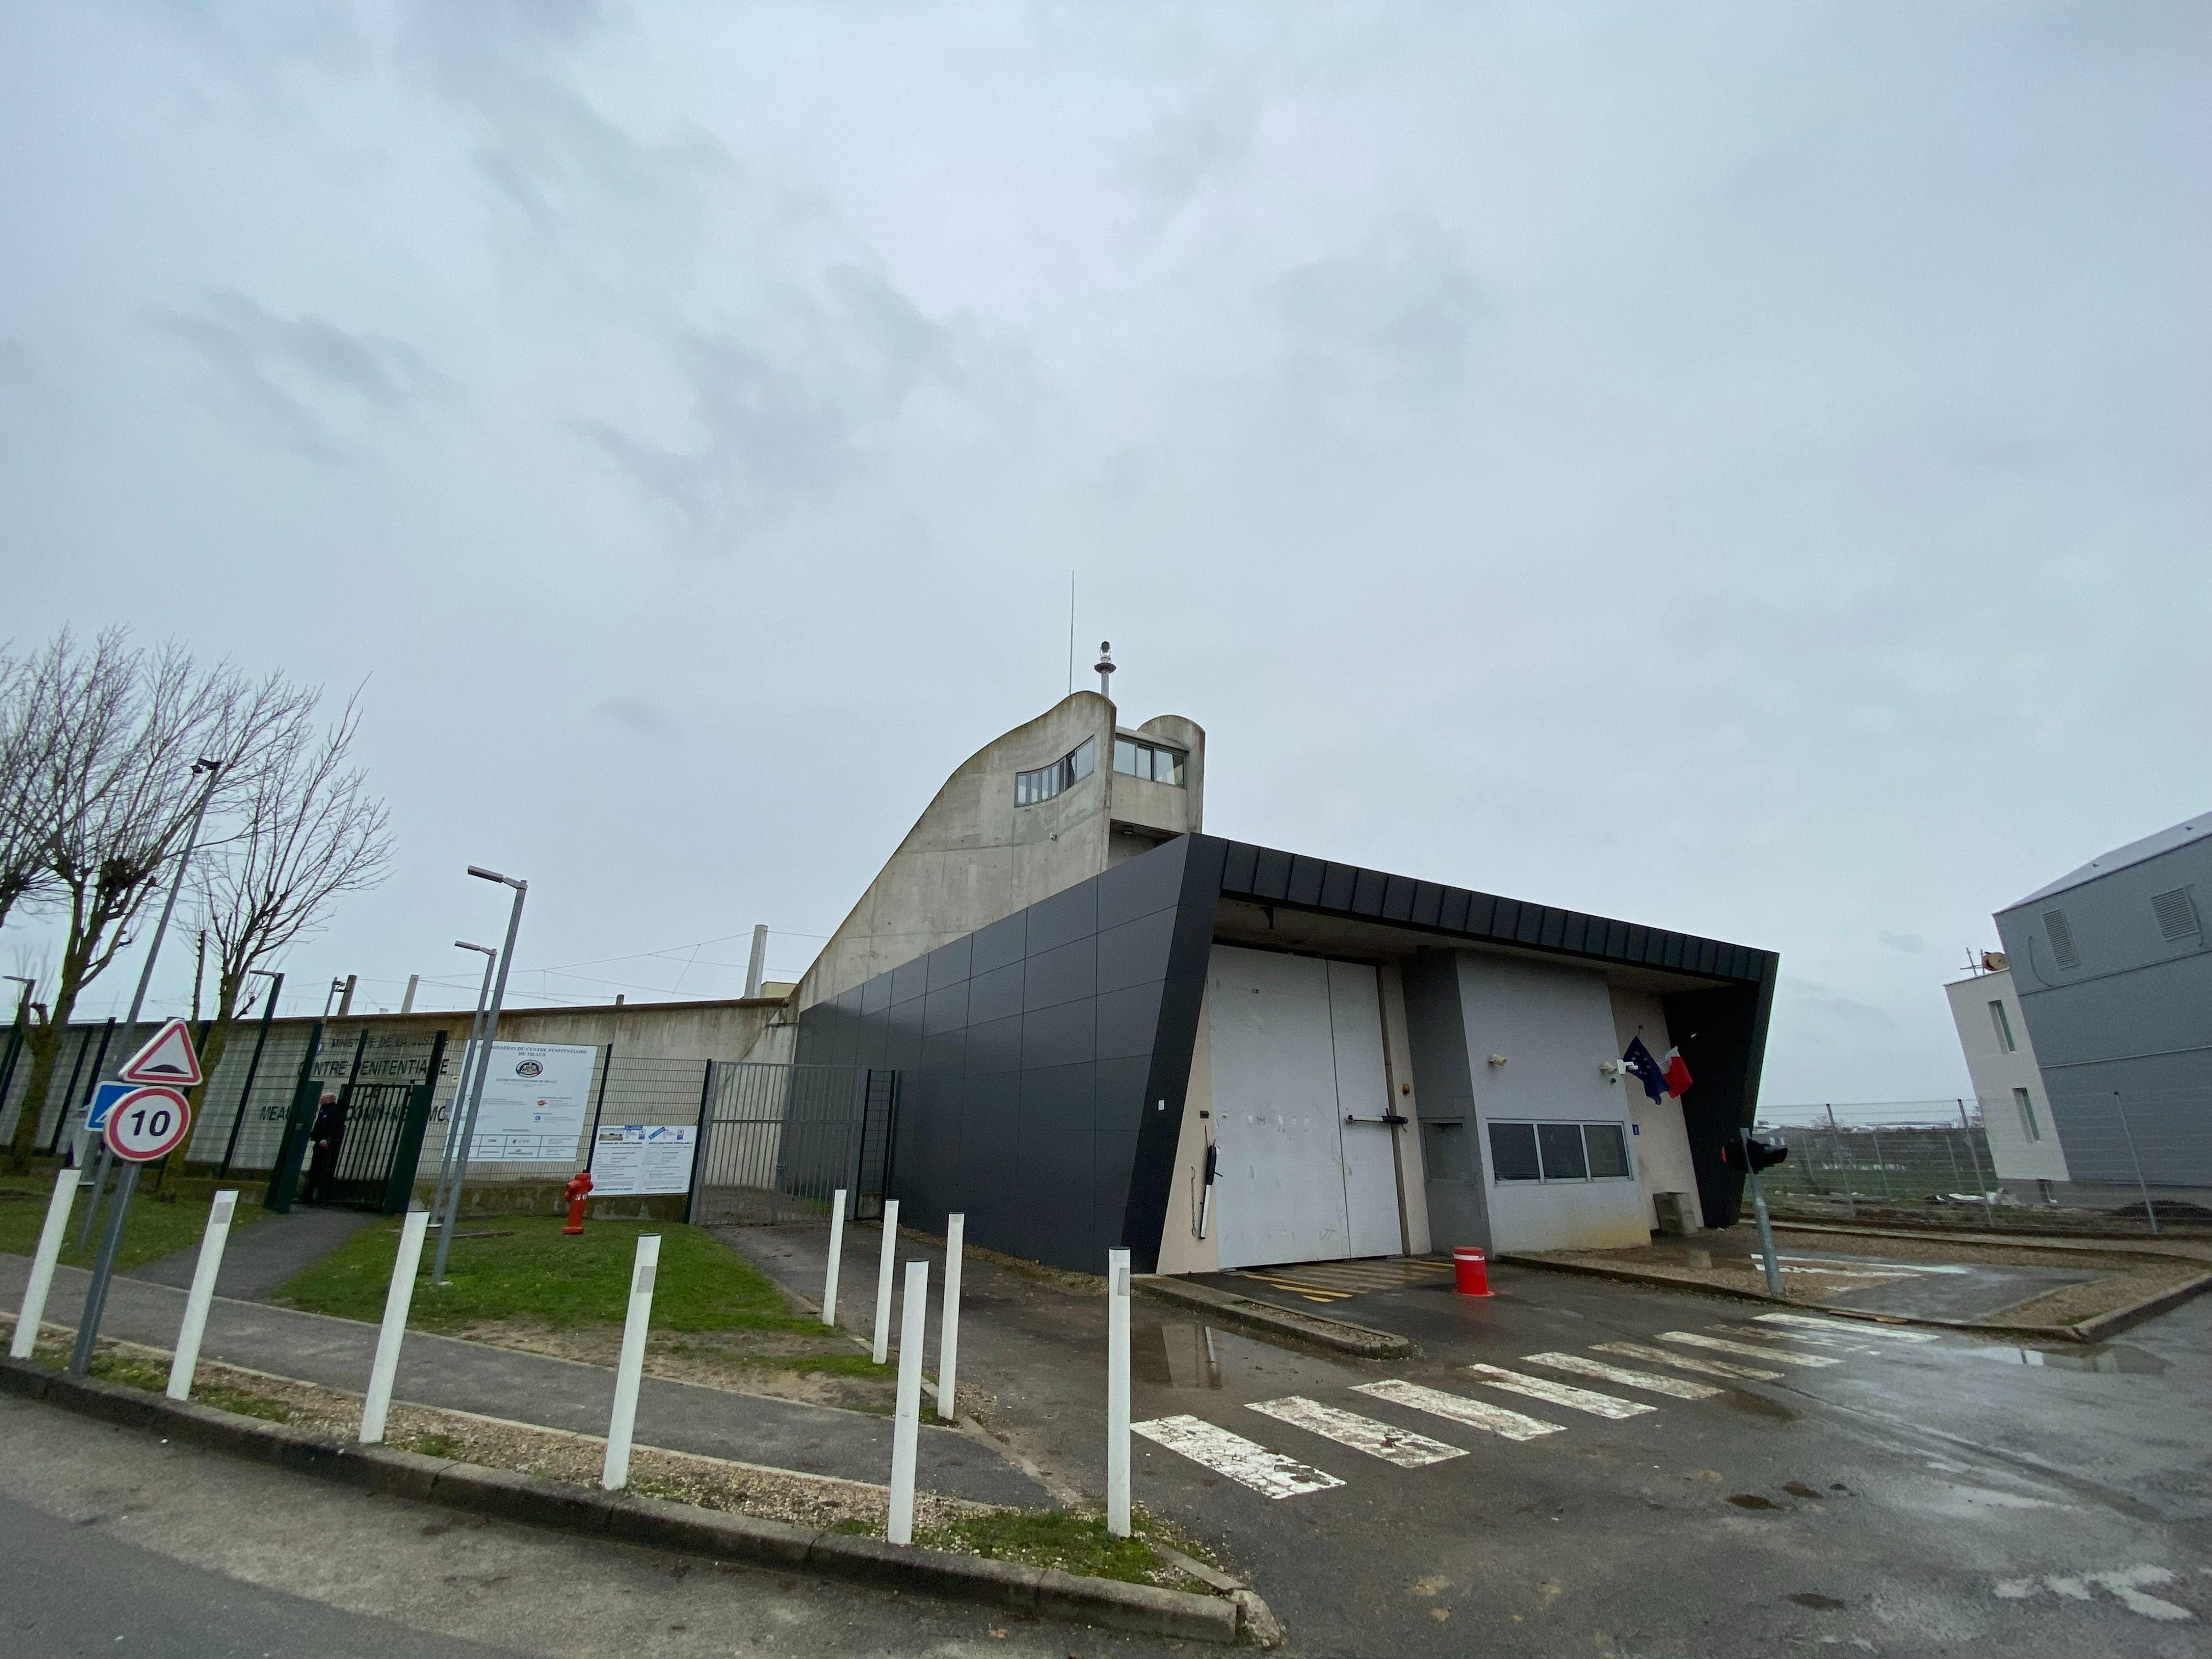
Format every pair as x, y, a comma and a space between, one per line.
1676, 1071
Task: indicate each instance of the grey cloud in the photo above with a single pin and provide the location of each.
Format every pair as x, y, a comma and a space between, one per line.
1187, 151
609, 204
1397, 317
1910, 943
786, 406
641, 718
1820, 1013
289, 378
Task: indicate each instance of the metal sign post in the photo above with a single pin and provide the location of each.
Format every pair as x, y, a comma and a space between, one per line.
1758, 1209
149, 1122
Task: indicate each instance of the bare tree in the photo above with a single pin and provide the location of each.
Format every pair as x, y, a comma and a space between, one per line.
115, 788
25, 736
308, 831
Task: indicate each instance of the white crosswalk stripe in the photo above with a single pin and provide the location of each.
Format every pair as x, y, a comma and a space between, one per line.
1245, 1461
1722, 1345
1842, 1328
1559, 1394
1682, 1362
1770, 1333
1678, 1387
1403, 1447
1475, 1413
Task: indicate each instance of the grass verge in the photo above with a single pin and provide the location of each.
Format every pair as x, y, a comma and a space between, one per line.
157, 1226
532, 1272
717, 1319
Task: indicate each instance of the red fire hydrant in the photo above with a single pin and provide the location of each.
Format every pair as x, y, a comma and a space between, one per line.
1471, 1271
577, 1188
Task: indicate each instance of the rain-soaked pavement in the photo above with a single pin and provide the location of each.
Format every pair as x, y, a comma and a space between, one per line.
1765, 1486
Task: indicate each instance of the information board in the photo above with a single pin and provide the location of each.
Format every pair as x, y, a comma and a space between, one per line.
642, 1157
536, 1099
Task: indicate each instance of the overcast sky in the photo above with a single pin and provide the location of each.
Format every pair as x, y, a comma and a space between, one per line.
1738, 468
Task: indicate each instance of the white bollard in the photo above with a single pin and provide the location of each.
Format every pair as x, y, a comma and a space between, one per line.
202, 1292
883, 1282
1117, 1392
631, 1366
906, 1429
948, 1340
42, 1264
836, 1254
397, 1301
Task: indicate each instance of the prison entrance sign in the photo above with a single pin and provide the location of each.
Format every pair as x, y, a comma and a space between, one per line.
371, 1133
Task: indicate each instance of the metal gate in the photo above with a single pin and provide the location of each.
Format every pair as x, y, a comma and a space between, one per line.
383, 1110
781, 1141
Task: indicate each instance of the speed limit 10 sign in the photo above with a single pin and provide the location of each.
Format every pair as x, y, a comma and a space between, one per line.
146, 1123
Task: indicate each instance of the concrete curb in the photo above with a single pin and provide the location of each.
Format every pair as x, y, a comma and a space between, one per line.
2090, 1330
628, 1518
1266, 1319
2137, 1244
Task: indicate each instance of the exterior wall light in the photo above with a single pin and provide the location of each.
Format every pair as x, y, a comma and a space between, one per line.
1498, 1059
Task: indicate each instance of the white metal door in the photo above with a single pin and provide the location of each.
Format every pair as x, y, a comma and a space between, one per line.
1363, 1096
1296, 1048
1280, 1181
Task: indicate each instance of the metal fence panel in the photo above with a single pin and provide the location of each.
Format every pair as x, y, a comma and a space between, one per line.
783, 1139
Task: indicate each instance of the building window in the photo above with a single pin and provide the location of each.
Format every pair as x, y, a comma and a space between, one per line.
1063, 775
1999, 1019
1132, 759
2025, 1107
1559, 1152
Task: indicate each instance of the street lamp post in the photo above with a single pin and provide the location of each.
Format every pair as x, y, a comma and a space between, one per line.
213, 770
103, 1267
469, 1057
483, 1065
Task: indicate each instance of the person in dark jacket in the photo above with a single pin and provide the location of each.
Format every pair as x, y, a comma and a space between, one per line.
323, 1140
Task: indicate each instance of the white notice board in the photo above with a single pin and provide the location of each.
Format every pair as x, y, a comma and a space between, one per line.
642, 1157
535, 1098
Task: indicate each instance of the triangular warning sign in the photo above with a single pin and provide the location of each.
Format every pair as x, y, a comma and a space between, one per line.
168, 1058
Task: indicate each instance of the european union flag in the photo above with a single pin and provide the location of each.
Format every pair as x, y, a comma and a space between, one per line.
1638, 1060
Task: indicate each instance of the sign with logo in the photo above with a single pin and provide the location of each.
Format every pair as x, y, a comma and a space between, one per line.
537, 1100
146, 1123
642, 1157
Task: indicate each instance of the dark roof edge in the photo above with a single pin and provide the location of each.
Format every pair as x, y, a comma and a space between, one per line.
1270, 876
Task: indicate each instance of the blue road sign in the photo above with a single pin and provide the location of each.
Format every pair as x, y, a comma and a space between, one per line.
103, 1098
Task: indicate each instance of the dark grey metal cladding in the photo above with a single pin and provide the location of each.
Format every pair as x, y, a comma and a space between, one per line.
1273, 877
1032, 1055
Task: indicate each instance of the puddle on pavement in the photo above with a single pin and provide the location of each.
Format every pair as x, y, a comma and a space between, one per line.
1177, 1354
2091, 1356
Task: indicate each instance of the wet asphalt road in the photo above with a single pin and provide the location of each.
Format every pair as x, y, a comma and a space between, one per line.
1949, 1497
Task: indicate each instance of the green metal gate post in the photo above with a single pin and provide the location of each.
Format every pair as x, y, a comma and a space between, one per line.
299, 1123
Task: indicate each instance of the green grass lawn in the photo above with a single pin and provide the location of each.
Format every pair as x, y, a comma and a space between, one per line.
157, 1226
535, 1273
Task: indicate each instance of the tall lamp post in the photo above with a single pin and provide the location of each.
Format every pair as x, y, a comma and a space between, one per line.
103, 1267
483, 1065
212, 769
461, 1085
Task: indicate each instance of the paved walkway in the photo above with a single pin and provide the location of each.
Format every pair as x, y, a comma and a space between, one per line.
560, 1394
257, 1258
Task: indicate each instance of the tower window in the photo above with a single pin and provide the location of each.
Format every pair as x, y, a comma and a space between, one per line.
1063, 775
1132, 759
1999, 1019
2026, 1108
